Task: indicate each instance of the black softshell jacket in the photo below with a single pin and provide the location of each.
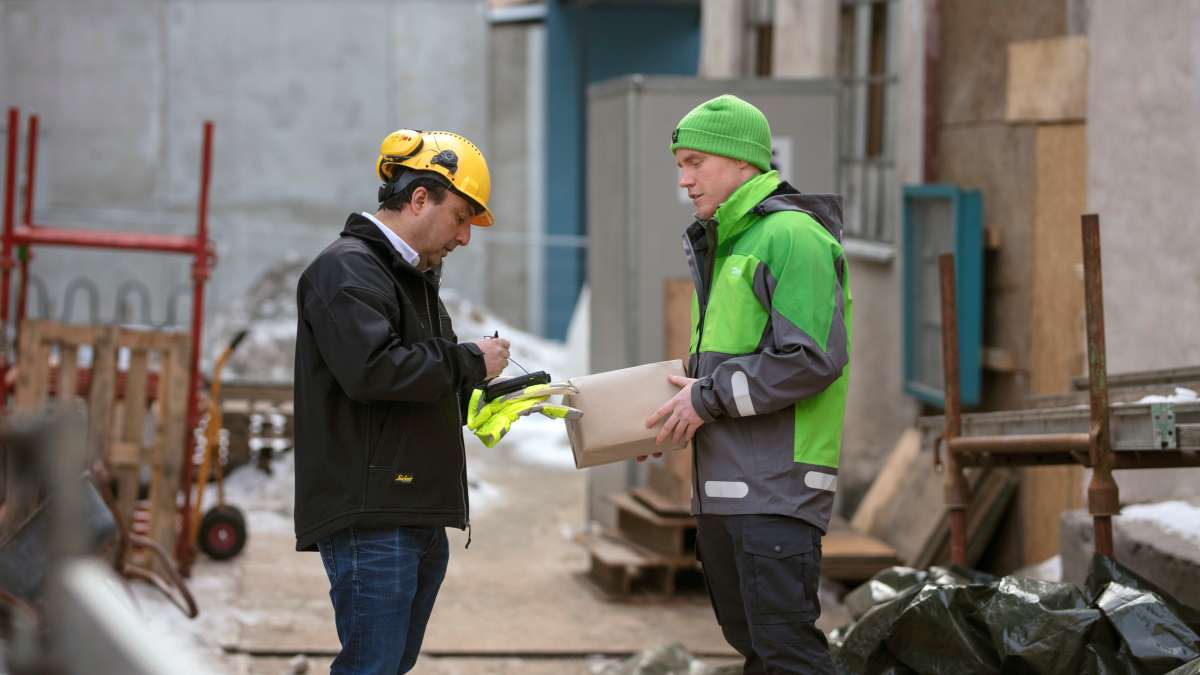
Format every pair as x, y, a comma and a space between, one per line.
381, 386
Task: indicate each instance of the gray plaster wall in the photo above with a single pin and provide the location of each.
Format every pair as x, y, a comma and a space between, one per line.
877, 410
508, 74
301, 93
1143, 173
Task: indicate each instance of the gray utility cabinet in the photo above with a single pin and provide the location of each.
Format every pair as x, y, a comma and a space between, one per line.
636, 212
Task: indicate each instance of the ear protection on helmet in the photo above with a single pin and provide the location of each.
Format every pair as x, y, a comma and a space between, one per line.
394, 187
397, 147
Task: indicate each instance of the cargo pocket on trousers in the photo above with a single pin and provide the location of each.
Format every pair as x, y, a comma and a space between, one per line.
786, 567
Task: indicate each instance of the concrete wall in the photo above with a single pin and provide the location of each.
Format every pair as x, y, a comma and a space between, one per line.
1143, 171
507, 249
877, 411
301, 93
978, 149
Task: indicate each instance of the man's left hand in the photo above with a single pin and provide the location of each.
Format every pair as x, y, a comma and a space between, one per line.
682, 420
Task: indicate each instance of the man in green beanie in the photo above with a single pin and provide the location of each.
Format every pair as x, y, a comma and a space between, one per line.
769, 361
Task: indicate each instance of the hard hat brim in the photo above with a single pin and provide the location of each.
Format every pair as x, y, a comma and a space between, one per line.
484, 219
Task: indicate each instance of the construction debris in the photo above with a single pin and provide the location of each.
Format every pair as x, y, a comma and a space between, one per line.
664, 660
1158, 541
953, 620
268, 312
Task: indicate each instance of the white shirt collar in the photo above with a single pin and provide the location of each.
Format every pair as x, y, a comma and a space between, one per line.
407, 252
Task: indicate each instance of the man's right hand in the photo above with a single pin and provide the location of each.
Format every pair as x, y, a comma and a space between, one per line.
495, 355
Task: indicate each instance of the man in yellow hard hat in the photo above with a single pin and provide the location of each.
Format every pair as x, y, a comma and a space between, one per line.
381, 387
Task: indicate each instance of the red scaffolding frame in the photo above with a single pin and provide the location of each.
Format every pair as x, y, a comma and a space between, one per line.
27, 234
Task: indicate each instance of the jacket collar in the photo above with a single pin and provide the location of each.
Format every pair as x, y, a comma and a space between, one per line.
362, 228
731, 214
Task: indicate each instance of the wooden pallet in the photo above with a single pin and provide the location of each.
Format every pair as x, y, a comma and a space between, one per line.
661, 504
672, 536
154, 383
620, 568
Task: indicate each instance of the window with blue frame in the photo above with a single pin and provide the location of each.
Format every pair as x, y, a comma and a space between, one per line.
941, 219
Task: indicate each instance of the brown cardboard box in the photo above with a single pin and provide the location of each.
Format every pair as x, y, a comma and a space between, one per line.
615, 406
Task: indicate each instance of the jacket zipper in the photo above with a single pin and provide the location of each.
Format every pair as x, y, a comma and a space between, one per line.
458, 408
705, 278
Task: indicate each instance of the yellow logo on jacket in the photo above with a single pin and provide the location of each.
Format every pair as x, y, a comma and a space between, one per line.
404, 478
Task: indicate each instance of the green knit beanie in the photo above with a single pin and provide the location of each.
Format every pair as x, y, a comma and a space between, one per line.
726, 126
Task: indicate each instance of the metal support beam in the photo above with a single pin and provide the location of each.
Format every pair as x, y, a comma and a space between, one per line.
958, 494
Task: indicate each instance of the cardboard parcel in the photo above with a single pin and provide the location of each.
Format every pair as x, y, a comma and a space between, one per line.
615, 406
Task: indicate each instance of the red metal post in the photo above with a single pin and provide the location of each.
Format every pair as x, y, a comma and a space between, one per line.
10, 190
200, 272
957, 493
23, 285
30, 168
6, 261
26, 253
1103, 494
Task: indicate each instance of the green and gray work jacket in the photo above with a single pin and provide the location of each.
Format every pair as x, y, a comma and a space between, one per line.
770, 348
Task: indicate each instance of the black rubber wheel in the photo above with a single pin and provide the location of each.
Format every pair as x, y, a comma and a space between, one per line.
222, 532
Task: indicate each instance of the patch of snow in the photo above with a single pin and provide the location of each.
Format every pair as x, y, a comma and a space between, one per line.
268, 313
254, 492
483, 495
216, 624
541, 441
1049, 569
1181, 395
1177, 517
577, 356
472, 322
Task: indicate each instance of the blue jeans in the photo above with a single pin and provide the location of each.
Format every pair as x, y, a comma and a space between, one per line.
383, 584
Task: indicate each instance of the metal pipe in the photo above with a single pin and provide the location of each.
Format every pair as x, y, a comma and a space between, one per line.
30, 168
1021, 445
93, 296
957, 493
46, 235
123, 314
200, 272
25, 253
1103, 493
1030, 459
6, 244
1155, 460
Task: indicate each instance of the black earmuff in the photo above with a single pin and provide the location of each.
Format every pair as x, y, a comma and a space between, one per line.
394, 187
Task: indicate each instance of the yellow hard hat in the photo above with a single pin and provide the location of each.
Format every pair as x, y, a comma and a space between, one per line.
446, 155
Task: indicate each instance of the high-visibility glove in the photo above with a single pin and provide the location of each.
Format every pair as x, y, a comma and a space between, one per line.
492, 420
479, 411
500, 421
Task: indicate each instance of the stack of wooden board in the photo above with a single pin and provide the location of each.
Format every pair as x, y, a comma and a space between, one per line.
649, 551
905, 507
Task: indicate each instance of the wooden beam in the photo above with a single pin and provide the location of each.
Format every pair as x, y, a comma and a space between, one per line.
1047, 80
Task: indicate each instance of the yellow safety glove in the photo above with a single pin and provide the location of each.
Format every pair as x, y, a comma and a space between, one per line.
491, 420
500, 420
